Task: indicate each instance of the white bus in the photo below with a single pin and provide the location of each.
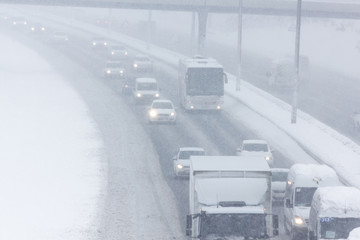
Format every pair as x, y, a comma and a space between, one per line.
201, 83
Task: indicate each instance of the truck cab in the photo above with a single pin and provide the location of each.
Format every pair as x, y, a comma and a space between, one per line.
230, 197
145, 90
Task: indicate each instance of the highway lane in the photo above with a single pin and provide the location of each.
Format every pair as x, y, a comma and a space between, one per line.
215, 132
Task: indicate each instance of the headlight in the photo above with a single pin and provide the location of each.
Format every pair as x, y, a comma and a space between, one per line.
172, 114
135, 65
298, 221
94, 43
157, 95
105, 43
126, 53
121, 71
152, 113
218, 107
138, 95
25, 23
267, 158
112, 53
32, 29
42, 29
108, 71
179, 166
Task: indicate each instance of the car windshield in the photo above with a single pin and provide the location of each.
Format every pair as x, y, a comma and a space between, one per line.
115, 65
187, 154
147, 86
162, 105
303, 196
255, 147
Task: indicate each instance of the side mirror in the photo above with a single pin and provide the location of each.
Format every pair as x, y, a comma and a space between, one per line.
188, 225
287, 203
226, 80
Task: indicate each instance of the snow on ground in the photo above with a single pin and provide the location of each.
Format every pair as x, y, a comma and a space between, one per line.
51, 171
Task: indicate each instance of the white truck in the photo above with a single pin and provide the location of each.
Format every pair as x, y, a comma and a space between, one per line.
334, 213
230, 198
302, 182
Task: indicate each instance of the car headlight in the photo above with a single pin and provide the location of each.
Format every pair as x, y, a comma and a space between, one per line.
218, 107
138, 95
268, 158
125, 53
112, 53
25, 23
32, 29
157, 95
121, 71
135, 65
172, 114
152, 113
94, 43
298, 220
42, 29
105, 43
108, 71
179, 166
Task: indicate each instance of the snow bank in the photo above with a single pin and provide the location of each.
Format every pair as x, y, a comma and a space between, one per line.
51, 174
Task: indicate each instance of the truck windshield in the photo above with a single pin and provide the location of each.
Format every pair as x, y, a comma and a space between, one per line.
205, 81
337, 228
253, 226
303, 196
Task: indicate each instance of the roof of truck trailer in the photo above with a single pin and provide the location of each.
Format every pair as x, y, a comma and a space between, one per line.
200, 62
228, 163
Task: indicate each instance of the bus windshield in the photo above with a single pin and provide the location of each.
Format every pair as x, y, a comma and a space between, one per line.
205, 81
337, 228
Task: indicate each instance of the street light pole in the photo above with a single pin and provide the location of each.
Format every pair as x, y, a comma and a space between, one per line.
238, 76
297, 63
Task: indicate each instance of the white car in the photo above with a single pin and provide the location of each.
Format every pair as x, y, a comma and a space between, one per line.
278, 183
114, 69
99, 43
118, 52
256, 148
162, 111
181, 160
142, 63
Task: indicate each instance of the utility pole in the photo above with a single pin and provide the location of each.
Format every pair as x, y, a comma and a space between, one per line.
297, 64
238, 75
149, 30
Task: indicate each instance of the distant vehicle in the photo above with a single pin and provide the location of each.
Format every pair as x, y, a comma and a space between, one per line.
19, 23
230, 198
114, 69
282, 73
99, 43
36, 29
356, 122
278, 183
302, 182
145, 90
102, 22
334, 213
59, 38
142, 63
201, 83
181, 160
127, 86
162, 110
256, 148
118, 52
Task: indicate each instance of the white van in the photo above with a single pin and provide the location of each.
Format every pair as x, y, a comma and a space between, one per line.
334, 213
145, 90
302, 182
